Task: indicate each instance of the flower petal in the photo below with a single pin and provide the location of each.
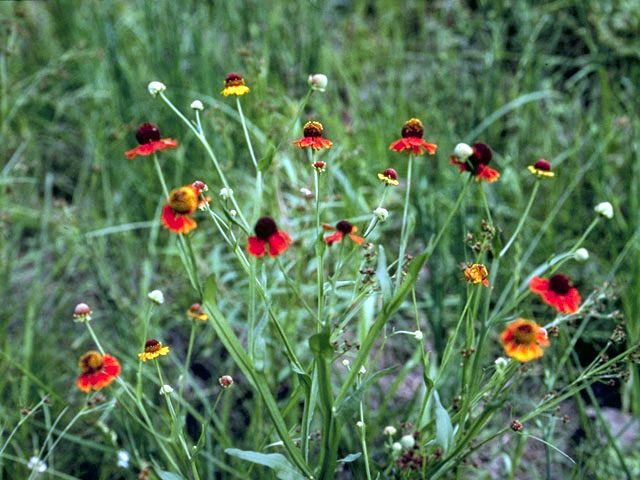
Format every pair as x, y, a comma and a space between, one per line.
255, 247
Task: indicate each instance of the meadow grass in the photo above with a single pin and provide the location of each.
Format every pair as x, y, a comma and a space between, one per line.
80, 222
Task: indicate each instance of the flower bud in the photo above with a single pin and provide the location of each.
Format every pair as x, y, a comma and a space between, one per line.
359, 424
226, 193
82, 313
306, 193
36, 464
418, 335
362, 370
605, 209
581, 255
166, 390
390, 430
197, 105
381, 214
396, 447
318, 82
225, 381
156, 296
123, 459
408, 441
346, 362
156, 87
462, 151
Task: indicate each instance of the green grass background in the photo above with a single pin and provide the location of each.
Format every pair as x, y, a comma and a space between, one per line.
79, 222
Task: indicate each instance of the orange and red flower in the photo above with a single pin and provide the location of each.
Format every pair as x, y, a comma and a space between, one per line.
148, 137
234, 85
557, 291
182, 203
98, 371
412, 141
342, 228
477, 273
477, 163
524, 339
313, 138
267, 233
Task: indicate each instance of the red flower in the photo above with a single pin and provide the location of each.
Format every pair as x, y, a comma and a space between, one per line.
477, 163
558, 292
181, 203
313, 137
267, 233
148, 137
411, 140
523, 340
342, 228
98, 371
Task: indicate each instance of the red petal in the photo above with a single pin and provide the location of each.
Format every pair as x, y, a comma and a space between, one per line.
278, 243
176, 222
539, 285
462, 165
82, 382
110, 365
430, 147
336, 237
356, 238
255, 247
326, 226
398, 146
486, 173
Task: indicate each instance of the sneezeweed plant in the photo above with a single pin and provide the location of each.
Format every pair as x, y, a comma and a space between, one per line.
327, 336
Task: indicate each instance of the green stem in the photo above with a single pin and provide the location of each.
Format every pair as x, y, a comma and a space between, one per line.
187, 361
523, 218
319, 252
403, 231
156, 163
145, 330
94, 337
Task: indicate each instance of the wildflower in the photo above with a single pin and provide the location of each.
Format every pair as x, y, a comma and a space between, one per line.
389, 176
197, 105
346, 362
319, 166
82, 313
462, 151
152, 350
412, 140
226, 193
267, 233
155, 88
36, 464
166, 389
390, 430
318, 82
234, 85
581, 255
312, 137
123, 459
605, 209
233, 212
500, 363
523, 340
195, 312
381, 214
225, 381
407, 441
362, 370
306, 193
396, 447
200, 186
557, 291
516, 426
342, 228
98, 371
360, 424
156, 296
418, 334
477, 273
477, 163
181, 203
148, 137
542, 168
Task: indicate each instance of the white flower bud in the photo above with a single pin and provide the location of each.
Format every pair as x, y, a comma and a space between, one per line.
581, 255
318, 82
408, 441
605, 209
359, 424
36, 464
418, 335
226, 193
197, 105
396, 447
166, 390
362, 370
306, 193
156, 87
123, 459
156, 296
346, 362
500, 362
390, 430
462, 151
381, 214
233, 213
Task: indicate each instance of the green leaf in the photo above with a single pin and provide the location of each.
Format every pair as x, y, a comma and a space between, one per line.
169, 476
321, 345
265, 162
352, 457
383, 275
444, 429
275, 461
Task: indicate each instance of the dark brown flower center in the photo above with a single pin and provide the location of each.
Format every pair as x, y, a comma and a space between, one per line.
183, 200
313, 129
560, 284
344, 227
152, 345
91, 362
524, 334
233, 80
195, 308
391, 173
265, 228
542, 164
147, 133
412, 128
481, 154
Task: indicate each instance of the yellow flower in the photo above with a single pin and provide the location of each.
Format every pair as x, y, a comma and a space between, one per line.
234, 85
477, 273
541, 168
195, 312
389, 176
153, 349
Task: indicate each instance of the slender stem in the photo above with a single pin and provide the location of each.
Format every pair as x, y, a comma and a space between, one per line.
192, 259
523, 218
246, 133
145, 330
363, 441
94, 337
319, 250
374, 219
486, 203
258, 197
187, 361
160, 175
403, 231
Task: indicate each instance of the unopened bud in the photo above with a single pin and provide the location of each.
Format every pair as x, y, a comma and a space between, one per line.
605, 209
156, 296
381, 214
225, 381
581, 255
197, 105
318, 82
462, 151
156, 87
82, 313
